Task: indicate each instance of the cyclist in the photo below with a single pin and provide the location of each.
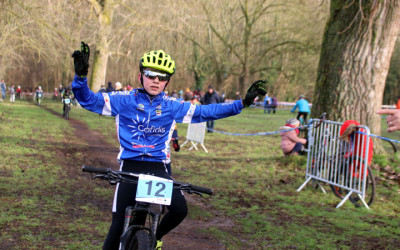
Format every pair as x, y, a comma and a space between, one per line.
304, 108
66, 99
39, 94
145, 122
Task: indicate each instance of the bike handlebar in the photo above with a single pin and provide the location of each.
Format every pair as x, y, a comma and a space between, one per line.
201, 189
180, 185
95, 170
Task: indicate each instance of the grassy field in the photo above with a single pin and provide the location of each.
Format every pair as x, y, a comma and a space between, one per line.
254, 185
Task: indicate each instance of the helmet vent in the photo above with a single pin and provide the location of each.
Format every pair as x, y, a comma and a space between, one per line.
159, 61
165, 62
154, 60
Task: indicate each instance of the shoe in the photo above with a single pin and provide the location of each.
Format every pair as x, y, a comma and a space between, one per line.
159, 245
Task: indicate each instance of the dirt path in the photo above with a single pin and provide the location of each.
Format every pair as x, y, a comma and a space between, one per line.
187, 235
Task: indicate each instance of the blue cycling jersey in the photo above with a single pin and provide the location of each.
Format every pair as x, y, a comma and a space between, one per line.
303, 106
145, 124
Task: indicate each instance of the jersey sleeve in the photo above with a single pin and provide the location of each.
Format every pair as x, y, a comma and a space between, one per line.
101, 103
190, 113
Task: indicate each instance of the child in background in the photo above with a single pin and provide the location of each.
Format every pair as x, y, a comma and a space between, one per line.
291, 144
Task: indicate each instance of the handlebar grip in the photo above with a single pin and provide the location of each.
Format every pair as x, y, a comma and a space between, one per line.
201, 189
94, 170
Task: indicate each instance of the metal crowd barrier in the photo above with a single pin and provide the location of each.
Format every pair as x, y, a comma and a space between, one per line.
337, 162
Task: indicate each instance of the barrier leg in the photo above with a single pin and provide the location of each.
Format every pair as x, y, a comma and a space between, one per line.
184, 143
363, 201
204, 147
344, 199
323, 189
304, 184
194, 146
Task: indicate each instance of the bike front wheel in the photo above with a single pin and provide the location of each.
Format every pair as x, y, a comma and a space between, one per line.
354, 198
140, 240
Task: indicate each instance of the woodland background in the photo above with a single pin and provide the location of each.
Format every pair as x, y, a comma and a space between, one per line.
224, 43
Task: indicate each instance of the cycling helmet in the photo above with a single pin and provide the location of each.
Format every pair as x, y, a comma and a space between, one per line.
158, 60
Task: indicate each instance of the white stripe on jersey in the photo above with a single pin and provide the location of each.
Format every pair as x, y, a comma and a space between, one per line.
107, 105
188, 117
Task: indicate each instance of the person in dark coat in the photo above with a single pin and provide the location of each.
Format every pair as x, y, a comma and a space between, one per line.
110, 88
208, 98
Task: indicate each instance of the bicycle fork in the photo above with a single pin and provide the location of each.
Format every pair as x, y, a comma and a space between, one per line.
134, 222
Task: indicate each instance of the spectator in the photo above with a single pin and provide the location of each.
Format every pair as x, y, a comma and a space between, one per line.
110, 88
118, 86
129, 87
3, 89
12, 93
267, 103
55, 96
19, 92
209, 98
102, 89
174, 94
188, 95
274, 103
237, 96
392, 118
398, 102
222, 99
304, 108
60, 91
197, 93
291, 144
195, 101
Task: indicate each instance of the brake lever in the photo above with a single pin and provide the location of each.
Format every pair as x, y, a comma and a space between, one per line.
194, 192
113, 180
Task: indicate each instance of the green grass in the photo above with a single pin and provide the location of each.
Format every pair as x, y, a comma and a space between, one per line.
36, 200
254, 186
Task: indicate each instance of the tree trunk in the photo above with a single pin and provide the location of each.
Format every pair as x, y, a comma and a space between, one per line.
355, 58
105, 15
99, 69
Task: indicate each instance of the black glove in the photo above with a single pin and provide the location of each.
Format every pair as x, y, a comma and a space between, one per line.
81, 60
257, 88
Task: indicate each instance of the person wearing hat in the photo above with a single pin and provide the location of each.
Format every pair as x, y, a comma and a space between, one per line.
209, 98
291, 144
304, 108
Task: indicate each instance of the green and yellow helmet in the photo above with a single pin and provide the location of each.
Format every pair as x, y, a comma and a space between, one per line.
158, 60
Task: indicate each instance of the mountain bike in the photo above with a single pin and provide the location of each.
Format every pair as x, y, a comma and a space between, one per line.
66, 108
150, 190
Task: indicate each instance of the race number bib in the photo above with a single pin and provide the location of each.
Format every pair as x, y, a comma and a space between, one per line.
153, 189
67, 101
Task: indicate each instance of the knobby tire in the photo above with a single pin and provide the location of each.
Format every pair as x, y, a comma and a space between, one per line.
140, 240
369, 191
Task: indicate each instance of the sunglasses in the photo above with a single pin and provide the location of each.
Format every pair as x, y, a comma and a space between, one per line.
153, 74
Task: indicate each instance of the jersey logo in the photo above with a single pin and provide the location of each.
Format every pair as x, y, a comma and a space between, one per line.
140, 107
141, 129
